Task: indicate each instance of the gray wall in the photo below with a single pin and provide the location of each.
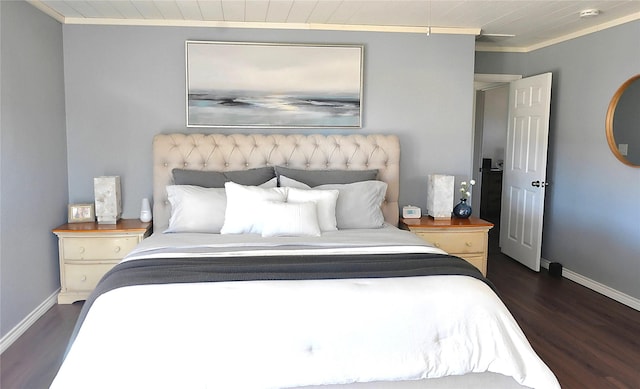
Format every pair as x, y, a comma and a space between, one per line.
33, 159
126, 84
592, 221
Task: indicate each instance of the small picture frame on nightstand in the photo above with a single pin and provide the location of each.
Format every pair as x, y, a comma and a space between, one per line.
81, 213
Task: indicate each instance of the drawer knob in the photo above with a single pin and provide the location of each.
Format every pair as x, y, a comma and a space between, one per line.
117, 249
82, 249
83, 278
437, 244
468, 244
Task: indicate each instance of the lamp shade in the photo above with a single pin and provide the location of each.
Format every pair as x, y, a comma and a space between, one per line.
108, 200
440, 196
145, 210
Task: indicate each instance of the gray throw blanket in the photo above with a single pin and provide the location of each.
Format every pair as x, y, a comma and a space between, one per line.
295, 267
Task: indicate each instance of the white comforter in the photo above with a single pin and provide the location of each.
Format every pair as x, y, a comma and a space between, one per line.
278, 334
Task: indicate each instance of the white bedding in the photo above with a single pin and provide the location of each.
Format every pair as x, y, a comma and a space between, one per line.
279, 334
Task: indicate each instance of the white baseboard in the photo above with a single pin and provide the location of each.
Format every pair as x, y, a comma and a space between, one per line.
17, 331
597, 287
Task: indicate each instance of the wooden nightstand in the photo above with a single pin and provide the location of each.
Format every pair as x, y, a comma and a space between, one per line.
465, 238
88, 250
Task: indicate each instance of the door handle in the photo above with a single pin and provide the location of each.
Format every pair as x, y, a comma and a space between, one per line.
539, 184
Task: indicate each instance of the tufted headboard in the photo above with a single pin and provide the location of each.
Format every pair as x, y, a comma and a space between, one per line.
219, 152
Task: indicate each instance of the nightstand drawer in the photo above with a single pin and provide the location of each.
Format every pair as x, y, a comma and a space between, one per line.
108, 248
476, 260
85, 277
456, 243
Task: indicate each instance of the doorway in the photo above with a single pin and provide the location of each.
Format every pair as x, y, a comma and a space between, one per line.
490, 137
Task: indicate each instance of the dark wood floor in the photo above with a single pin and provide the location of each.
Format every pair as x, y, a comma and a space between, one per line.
588, 340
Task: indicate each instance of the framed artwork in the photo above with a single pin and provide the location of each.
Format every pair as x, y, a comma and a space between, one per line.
232, 84
80, 213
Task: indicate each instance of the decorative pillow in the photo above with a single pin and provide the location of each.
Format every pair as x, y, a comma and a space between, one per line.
196, 209
272, 183
286, 182
213, 179
244, 203
314, 178
290, 219
358, 204
325, 201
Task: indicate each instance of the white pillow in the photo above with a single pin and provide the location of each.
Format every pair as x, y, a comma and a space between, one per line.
325, 201
290, 219
196, 209
358, 204
291, 183
272, 183
244, 203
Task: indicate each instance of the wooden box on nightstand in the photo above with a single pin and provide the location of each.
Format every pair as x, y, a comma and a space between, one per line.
88, 250
464, 238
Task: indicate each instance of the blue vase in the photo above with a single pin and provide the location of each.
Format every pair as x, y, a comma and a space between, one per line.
462, 210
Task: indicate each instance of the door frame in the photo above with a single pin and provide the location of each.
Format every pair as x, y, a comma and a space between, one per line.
483, 82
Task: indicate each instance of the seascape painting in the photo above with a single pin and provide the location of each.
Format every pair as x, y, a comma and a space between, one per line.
273, 85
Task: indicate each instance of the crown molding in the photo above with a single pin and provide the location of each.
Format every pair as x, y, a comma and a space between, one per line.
47, 10
564, 38
277, 26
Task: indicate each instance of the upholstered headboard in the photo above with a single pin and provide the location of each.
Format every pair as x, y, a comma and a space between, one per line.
219, 152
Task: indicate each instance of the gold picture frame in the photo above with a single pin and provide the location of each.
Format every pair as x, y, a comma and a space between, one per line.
81, 213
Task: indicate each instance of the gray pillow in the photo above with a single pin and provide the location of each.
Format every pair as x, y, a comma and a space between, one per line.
212, 179
358, 204
321, 177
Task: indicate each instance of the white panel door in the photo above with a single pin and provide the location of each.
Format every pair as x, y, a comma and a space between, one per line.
524, 176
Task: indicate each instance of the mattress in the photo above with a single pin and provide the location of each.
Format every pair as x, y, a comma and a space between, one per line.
444, 330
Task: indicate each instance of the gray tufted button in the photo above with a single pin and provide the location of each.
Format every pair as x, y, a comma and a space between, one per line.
166, 164
166, 202
226, 164
186, 164
204, 164
246, 164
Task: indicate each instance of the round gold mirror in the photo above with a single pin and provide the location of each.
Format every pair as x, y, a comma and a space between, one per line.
623, 122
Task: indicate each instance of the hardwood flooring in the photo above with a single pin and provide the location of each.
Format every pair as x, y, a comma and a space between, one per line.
33, 360
588, 340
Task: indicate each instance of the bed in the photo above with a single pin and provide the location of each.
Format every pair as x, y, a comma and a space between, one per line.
301, 280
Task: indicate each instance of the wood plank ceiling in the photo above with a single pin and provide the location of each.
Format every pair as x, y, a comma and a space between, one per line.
518, 25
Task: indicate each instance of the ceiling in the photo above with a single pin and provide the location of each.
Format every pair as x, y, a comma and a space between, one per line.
516, 25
